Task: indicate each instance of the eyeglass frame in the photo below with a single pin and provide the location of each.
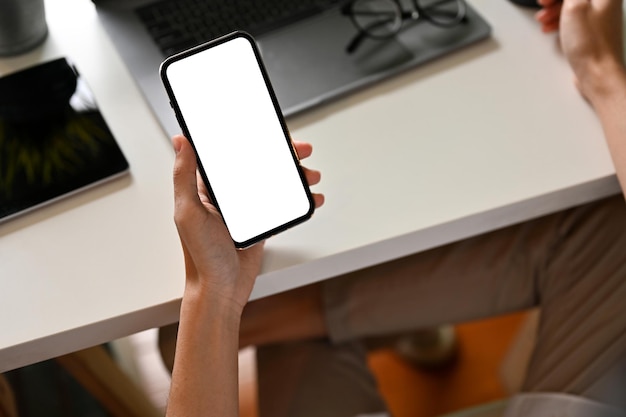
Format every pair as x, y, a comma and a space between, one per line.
415, 15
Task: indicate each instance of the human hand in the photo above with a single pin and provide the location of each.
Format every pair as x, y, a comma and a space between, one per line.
591, 38
213, 264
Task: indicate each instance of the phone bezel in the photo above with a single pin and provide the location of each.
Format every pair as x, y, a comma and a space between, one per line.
181, 121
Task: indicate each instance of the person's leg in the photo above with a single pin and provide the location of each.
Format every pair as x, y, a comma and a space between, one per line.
581, 340
572, 264
293, 315
479, 277
500, 272
484, 276
315, 378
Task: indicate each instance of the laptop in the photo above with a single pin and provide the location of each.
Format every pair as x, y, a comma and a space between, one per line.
303, 45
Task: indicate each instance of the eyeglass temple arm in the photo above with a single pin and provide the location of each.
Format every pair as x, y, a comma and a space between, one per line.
355, 42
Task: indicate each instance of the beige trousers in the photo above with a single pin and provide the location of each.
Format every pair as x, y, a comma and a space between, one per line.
572, 264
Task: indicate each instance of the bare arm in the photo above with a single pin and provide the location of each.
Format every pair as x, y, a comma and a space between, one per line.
204, 380
592, 40
218, 282
610, 104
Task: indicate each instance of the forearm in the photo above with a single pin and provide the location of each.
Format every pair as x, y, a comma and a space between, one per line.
205, 375
609, 102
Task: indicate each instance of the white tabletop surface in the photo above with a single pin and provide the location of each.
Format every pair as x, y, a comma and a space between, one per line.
489, 136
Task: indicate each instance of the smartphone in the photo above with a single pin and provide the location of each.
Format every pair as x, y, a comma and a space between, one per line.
226, 107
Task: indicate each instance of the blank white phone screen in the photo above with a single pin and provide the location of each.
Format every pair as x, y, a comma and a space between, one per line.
239, 139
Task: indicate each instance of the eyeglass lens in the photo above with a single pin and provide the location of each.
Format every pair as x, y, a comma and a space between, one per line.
378, 18
442, 12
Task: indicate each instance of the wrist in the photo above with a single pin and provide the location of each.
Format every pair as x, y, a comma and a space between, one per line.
601, 83
211, 304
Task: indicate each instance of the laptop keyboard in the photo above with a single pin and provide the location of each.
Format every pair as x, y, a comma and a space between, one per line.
176, 25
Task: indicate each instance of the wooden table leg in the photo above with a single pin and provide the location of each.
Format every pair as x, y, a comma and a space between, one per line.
8, 407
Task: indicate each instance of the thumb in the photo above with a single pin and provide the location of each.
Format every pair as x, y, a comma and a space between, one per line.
185, 188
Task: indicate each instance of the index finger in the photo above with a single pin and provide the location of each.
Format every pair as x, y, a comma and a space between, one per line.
303, 149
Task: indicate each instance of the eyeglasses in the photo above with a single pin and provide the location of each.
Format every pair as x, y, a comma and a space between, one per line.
383, 19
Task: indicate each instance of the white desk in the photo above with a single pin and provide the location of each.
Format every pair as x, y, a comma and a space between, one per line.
492, 135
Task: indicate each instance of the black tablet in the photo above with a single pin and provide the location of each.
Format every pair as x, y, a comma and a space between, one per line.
54, 141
